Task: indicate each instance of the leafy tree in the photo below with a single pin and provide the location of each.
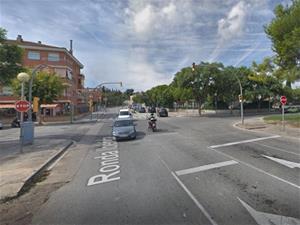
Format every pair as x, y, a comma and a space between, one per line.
47, 86
10, 60
284, 32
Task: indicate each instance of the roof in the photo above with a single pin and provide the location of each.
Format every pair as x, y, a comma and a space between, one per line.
40, 46
29, 43
124, 110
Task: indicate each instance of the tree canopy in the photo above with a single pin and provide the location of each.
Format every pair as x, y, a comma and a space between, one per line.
47, 86
10, 60
284, 32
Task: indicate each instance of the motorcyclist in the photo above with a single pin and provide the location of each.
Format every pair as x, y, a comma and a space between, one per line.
151, 119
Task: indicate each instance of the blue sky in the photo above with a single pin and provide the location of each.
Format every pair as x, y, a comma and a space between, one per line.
144, 43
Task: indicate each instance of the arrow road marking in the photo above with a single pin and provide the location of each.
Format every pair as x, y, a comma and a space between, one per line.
284, 162
269, 219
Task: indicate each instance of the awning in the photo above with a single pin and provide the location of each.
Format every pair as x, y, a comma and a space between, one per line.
49, 106
7, 106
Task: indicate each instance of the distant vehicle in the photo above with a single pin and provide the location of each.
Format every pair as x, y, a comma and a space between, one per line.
1, 125
162, 112
151, 109
292, 109
124, 113
142, 110
123, 129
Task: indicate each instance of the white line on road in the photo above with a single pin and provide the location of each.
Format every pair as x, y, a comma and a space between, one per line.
278, 149
203, 210
286, 163
198, 204
206, 167
255, 168
242, 142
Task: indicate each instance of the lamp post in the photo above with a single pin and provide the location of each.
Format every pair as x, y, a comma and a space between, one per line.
38, 67
216, 101
22, 77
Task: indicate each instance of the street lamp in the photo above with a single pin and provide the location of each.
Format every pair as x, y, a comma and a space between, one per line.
216, 101
22, 77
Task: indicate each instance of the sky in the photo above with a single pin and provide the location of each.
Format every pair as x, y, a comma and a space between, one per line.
143, 43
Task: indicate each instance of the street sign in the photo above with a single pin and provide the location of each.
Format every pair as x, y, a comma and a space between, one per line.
22, 106
283, 100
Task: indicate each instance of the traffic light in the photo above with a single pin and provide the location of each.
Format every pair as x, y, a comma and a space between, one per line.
36, 104
193, 67
240, 98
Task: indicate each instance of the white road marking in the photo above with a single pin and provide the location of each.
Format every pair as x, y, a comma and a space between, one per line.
278, 149
269, 219
198, 204
289, 164
245, 141
206, 167
203, 210
255, 168
110, 169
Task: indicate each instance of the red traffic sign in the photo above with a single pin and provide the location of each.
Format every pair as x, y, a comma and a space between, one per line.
22, 106
283, 100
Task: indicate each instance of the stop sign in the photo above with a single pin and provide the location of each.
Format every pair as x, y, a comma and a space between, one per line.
22, 106
283, 100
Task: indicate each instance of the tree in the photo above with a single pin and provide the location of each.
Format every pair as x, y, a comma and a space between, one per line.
284, 32
47, 86
10, 60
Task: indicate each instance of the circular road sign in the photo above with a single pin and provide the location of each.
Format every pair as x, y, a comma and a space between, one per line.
283, 100
22, 106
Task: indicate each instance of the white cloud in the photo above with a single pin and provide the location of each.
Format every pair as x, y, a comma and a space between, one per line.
233, 24
229, 28
143, 19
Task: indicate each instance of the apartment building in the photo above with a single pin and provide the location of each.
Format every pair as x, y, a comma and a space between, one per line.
59, 60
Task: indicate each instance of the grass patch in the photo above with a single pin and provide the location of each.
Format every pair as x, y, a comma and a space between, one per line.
293, 119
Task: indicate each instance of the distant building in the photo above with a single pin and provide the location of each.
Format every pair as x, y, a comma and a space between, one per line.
59, 60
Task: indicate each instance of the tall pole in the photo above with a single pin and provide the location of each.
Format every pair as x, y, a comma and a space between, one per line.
39, 67
242, 99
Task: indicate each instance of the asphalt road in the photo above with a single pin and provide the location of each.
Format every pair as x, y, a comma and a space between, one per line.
192, 171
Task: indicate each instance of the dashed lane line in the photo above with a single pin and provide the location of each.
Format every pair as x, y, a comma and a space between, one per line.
244, 141
205, 167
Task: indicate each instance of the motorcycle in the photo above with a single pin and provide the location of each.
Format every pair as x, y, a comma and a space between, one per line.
152, 124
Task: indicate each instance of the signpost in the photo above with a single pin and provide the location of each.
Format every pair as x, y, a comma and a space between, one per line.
22, 106
283, 101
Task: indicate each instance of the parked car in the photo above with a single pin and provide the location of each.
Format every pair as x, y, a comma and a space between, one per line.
142, 110
123, 129
124, 113
1, 125
162, 112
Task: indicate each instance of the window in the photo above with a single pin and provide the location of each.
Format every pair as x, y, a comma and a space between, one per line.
34, 55
69, 75
54, 57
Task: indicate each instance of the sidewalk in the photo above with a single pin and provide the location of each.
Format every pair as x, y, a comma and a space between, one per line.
18, 170
259, 125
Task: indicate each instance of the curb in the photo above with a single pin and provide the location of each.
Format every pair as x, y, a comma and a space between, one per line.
31, 179
235, 125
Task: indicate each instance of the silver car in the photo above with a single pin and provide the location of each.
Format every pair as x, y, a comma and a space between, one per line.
123, 129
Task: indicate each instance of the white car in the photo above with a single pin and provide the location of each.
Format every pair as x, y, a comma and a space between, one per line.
124, 113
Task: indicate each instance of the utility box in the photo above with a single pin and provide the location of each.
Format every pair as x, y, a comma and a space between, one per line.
27, 132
